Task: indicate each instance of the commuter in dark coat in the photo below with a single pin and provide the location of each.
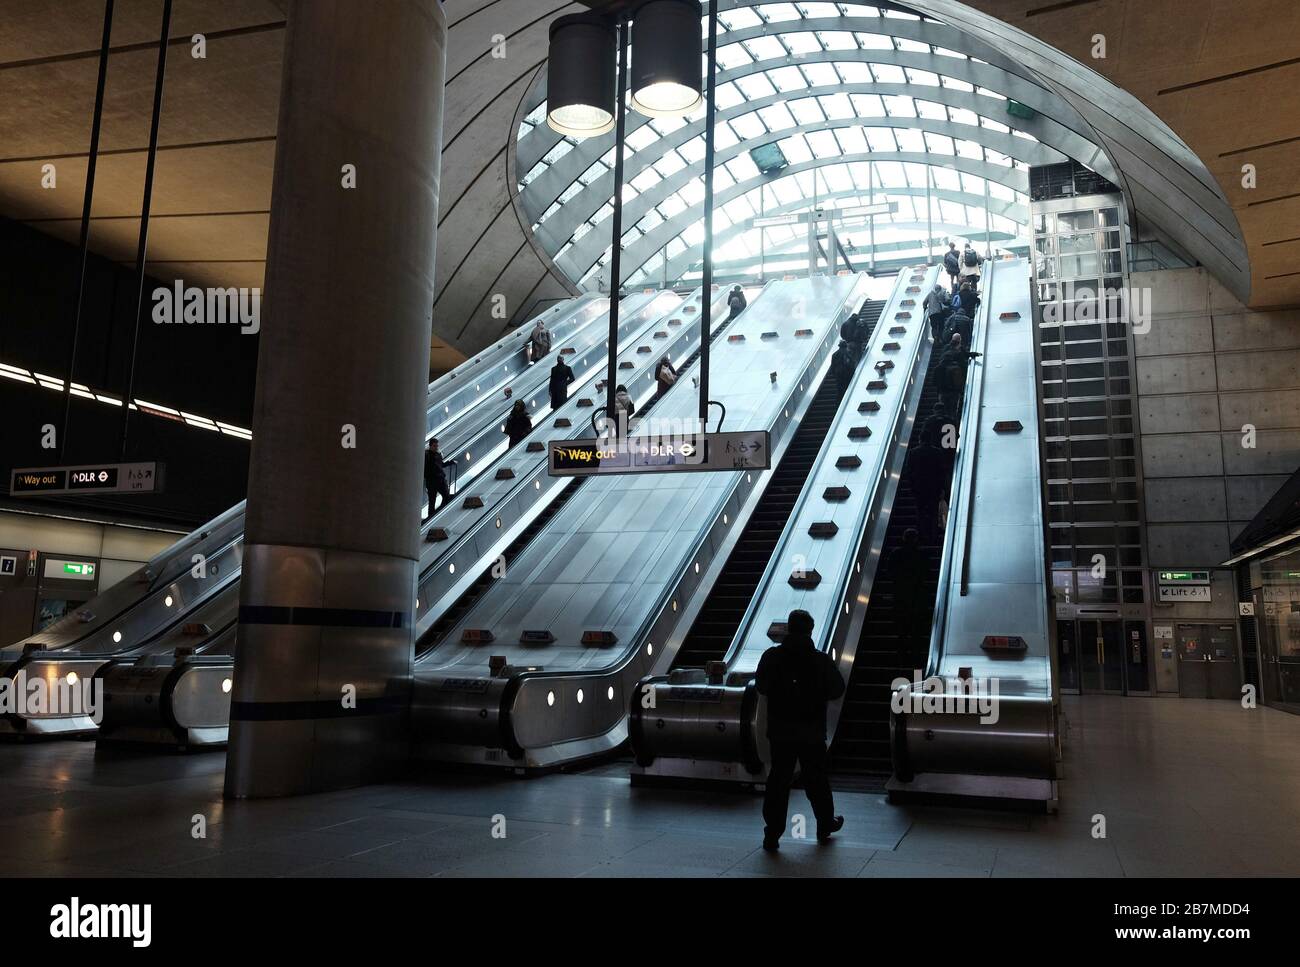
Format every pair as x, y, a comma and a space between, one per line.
910, 569
737, 302
952, 265
435, 476
952, 373
518, 424
928, 470
959, 322
798, 681
624, 409
561, 377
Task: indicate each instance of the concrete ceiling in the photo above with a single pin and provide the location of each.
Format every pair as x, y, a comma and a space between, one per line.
212, 187
1225, 76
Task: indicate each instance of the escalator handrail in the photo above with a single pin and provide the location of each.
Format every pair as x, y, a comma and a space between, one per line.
961, 492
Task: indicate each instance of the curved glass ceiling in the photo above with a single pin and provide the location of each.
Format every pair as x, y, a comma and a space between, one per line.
865, 104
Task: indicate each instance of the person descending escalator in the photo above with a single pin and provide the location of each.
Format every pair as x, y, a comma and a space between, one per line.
561, 377
539, 342
518, 424
798, 680
665, 376
952, 265
952, 373
909, 568
435, 476
736, 302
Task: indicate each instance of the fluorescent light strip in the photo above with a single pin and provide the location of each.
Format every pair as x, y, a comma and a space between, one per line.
144, 406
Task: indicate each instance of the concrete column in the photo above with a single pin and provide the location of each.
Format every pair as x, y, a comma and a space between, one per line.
324, 656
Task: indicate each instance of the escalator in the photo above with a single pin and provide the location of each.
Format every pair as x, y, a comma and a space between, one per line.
860, 754
453, 615
725, 607
539, 671
817, 551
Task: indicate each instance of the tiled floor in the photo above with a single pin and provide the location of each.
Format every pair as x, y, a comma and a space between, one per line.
1184, 787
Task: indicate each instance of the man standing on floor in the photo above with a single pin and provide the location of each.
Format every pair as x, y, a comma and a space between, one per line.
798, 681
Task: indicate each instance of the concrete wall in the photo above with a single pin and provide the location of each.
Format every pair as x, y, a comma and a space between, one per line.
121, 550
1207, 368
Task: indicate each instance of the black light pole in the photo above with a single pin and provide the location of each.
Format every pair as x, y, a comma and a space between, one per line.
143, 242
706, 310
616, 254
87, 202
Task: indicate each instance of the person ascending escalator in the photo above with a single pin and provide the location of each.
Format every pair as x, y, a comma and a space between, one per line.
736, 302
937, 308
435, 476
952, 373
665, 376
624, 410
561, 377
518, 424
909, 568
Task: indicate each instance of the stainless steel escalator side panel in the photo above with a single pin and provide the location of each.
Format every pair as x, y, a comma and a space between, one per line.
656, 543
993, 582
476, 439
144, 614
456, 394
727, 740
201, 686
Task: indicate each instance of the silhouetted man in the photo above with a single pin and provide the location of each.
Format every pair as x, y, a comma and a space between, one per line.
435, 475
909, 567
798, 681
927, 468
736, 302
561, 377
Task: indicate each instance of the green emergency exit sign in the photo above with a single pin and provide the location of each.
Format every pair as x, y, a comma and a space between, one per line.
1184, 577
83, 570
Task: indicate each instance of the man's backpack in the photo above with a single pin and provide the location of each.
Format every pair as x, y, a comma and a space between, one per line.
951, 263
971, 258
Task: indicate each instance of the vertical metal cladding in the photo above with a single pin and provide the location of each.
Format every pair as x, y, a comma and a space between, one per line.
323, 661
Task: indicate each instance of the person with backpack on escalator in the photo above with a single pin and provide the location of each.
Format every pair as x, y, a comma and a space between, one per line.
970, 265
798, 681
952, 265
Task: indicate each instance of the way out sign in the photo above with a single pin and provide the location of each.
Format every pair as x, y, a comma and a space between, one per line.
739, 450
103, 478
